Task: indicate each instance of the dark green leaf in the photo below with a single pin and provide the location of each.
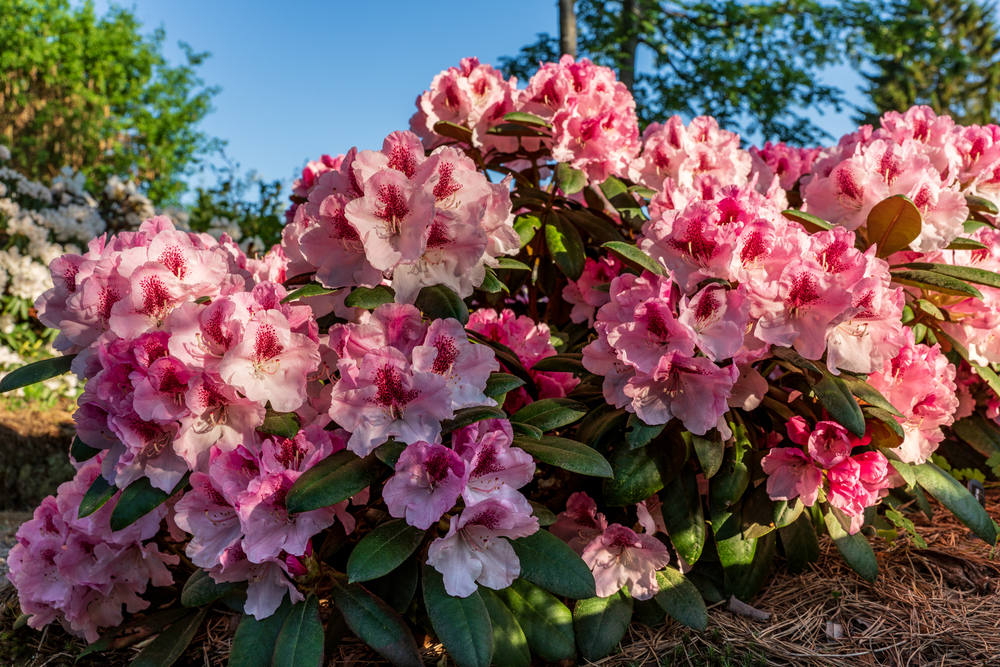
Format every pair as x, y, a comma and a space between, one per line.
978, 434
523, 118
600, 624
681, 600
800, 543
462, 624
893, 224
549, 562
525, 429
491, 283
728, 485
746, 563
632, 256
812, 224
312, 289
968, 274
601, 427
499, 384
453, 131
561, 363
869, 394
544, 515
597, 228
332, 480
570, 180
838, 400
546, 622
510, 264
96, 496
883, 427
710, 450
389, 452
300, 642
170, 644
35, 372
121, 635
757, 512
684, 518
854, 549
376, 624
639, 433
965, 244
253, 644
935, 282
370, 298
957, 498
399, 586
550, 413
285, 424
139, 499
981, 204
383, 550
565, 246
80, 451
510, 646
200, 589
641, 472
466, 416
786, 512
905, 471
440, 302
566, 454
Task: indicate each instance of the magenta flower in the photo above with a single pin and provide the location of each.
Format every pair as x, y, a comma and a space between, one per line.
428, 480
580, 523
495, 468
620, 557
791, 474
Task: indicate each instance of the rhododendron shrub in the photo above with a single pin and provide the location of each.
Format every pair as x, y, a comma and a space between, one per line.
519, 359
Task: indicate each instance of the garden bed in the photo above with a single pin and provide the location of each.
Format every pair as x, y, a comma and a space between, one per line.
34, 442
934, 606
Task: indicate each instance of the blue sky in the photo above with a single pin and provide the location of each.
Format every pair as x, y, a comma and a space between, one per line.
300, 79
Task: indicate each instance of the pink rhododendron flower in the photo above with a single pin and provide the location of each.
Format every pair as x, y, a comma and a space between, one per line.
791, 474
580, 524
496, 469
620, 557
428, 480
589, 292
788, 163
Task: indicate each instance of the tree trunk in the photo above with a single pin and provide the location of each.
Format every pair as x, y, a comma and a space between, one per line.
567, 28
630, 28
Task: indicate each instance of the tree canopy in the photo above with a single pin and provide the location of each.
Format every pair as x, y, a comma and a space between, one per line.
96, 94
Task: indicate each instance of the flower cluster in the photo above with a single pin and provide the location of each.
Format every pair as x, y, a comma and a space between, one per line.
77, 571
240, 525
849, 482
485, 471
531, 343
617, 555
397, 214
400, 377
788, 163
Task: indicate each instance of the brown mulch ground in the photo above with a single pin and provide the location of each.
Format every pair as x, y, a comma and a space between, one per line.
34, 453
934, 606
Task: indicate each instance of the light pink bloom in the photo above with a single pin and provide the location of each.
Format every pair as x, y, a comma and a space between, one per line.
466, 367
586, 294
620, 557
428, 480
580, 523
718, 318
791, 474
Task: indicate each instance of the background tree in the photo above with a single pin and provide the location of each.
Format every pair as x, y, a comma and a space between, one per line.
95, 94
754, 66
942, 53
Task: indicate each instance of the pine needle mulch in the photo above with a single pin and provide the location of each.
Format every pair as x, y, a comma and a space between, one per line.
934, 606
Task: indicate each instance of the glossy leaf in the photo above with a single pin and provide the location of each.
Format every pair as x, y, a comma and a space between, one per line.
398, 588
524, 118
600, 624
510, 646
594, 226
550, 413
602, 427
383, 550
785, 512
549, 562
684, 517
566, 454
935, 282
81, 451
376, 624
893, 224
336, 478
854, 549
510, 264
285, 424
546, 622
978, 434
545, 516
453, 131
35, 372
389, 452
561, 363
640, 434
869, 394
950, 493
462, 624
905, 471
200, 589
300, 642
498, 384
812, 224
838, 400
526, 226
965, 244
570, 180
253, 644
681, 600
710, 450
370, 298
139, 499
170, 644
312, 289
565, 246
800, 543
981, 204
96, 496
524, 429
969, 274
440, 302
467, 416
491, 283
633, 257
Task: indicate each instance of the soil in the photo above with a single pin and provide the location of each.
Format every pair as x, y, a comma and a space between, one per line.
34, 454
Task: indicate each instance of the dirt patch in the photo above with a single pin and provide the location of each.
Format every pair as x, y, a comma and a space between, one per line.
34, 454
